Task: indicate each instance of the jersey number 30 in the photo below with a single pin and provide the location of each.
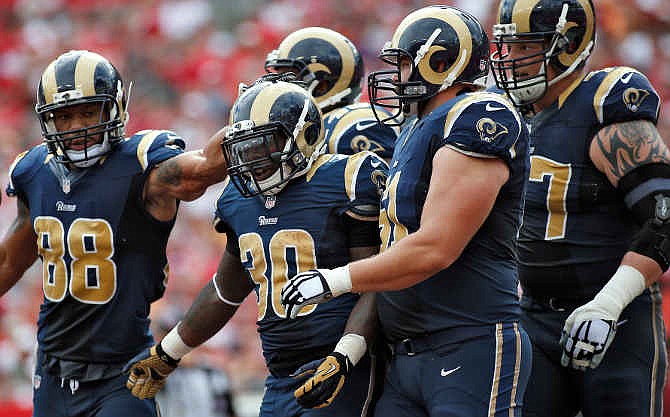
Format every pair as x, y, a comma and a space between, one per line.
297, 241
90, 244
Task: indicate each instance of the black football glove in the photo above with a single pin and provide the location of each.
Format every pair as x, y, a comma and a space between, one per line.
326, 382
148, 371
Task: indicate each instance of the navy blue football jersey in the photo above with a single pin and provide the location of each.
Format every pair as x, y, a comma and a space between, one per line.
576, 227
480, 288
300, 229
354, 128
103, 255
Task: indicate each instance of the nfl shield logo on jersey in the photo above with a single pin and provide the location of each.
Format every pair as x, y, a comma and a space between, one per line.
37, 381
270, 201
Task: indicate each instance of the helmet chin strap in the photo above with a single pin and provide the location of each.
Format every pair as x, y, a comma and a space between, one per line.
582, 57
451, 77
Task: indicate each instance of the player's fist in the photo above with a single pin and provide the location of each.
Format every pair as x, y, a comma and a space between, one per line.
587, 334
308, 287
326, 382
148, 371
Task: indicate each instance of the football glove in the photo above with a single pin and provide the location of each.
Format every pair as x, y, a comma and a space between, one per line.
328, 377
587, 334
148, 371
315, 286
590, 329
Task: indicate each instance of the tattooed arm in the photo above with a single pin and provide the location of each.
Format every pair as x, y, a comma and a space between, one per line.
17, 249
619, 148
589, 330
184, 177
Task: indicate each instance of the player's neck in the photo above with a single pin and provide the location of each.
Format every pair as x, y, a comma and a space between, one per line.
555, 90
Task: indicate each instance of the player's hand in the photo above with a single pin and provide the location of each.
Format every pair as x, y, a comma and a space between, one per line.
326, 381
148, 371
587, 334
306, 288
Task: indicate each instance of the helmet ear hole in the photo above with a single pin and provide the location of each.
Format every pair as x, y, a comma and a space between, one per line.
439, 61
312, 134
574, 36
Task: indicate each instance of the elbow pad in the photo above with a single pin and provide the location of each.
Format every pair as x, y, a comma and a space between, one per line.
653, 241
646, 192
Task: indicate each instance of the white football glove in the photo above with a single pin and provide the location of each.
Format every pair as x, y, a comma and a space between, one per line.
591, 328
587, 334
315, 286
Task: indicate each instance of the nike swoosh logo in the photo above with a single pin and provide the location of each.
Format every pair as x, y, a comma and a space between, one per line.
330, 370
626, 78
489, 107
451, 371
362, 126
375, 164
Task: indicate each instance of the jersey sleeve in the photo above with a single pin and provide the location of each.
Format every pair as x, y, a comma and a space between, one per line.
365, 179
355, 128
223, 203
625, 94
483, 125
221, 220
21, 170
155, 146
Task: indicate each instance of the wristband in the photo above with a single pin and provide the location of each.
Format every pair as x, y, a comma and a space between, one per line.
174, 345
624, 286
353, 346
339, 280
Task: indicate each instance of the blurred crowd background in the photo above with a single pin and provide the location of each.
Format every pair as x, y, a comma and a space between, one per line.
186, 59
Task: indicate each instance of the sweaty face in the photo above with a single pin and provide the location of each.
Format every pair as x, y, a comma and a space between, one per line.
80, 116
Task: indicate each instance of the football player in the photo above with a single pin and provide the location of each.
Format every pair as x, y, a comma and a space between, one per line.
594, 239
287, 208
332, 69
447, 274
97, 208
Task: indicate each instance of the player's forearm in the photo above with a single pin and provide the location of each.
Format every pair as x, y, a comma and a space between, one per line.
17, 250
206, 316
645, 265
363, 318
207, 166
410, 261
8, 278
635, 273
187, 176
